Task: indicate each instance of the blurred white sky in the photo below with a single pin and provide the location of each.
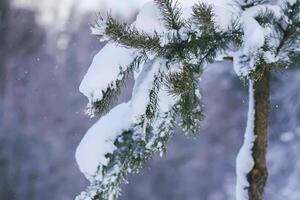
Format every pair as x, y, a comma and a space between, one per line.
57, 12
58, 16
122, 6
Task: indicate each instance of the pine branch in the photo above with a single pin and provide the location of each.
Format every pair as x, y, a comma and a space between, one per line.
153, 105
204, 42
130, 37
203, 17
209, 39
185, 85
101, 106
245, 4
176, 49
165, 130
266, 17
171, 13
291, 33
294, 59
131, 155
126, 35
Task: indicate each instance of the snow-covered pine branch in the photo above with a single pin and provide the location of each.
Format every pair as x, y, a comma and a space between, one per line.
171, 14
275, 26
167, 49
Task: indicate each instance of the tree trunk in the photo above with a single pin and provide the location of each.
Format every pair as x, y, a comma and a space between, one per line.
257, 177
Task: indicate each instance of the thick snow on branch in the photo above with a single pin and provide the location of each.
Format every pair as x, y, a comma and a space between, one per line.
244, 161
143, 85
254, 38
104, 70
108, 63
148, 19
222, 9
99, 140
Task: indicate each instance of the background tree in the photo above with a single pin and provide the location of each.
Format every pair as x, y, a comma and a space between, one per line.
4, 17
167, 60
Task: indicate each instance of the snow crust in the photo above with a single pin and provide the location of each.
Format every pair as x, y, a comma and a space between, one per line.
99, 139
104, 70
244, 161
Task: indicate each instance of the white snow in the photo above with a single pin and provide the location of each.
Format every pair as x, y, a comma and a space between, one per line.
142, 87
244, 161
107, 64
104, 70
167, 101
148, 19
254, 38
164, 115
222, 9
99, 140
223, 16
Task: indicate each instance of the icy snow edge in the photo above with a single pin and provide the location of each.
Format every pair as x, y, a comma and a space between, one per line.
244, 161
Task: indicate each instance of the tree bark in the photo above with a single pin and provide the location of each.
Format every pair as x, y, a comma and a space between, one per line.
257, 177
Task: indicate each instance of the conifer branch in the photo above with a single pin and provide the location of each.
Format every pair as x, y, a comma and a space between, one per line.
290, 32
202, 41
128, 36
184, 84
251, 3
102, 105
153, 104
203, 17
131, 155
171, 13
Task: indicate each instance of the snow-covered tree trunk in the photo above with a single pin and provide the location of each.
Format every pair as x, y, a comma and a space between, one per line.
257, 177
252, 170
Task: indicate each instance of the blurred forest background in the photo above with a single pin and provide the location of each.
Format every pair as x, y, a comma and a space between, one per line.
45, 50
